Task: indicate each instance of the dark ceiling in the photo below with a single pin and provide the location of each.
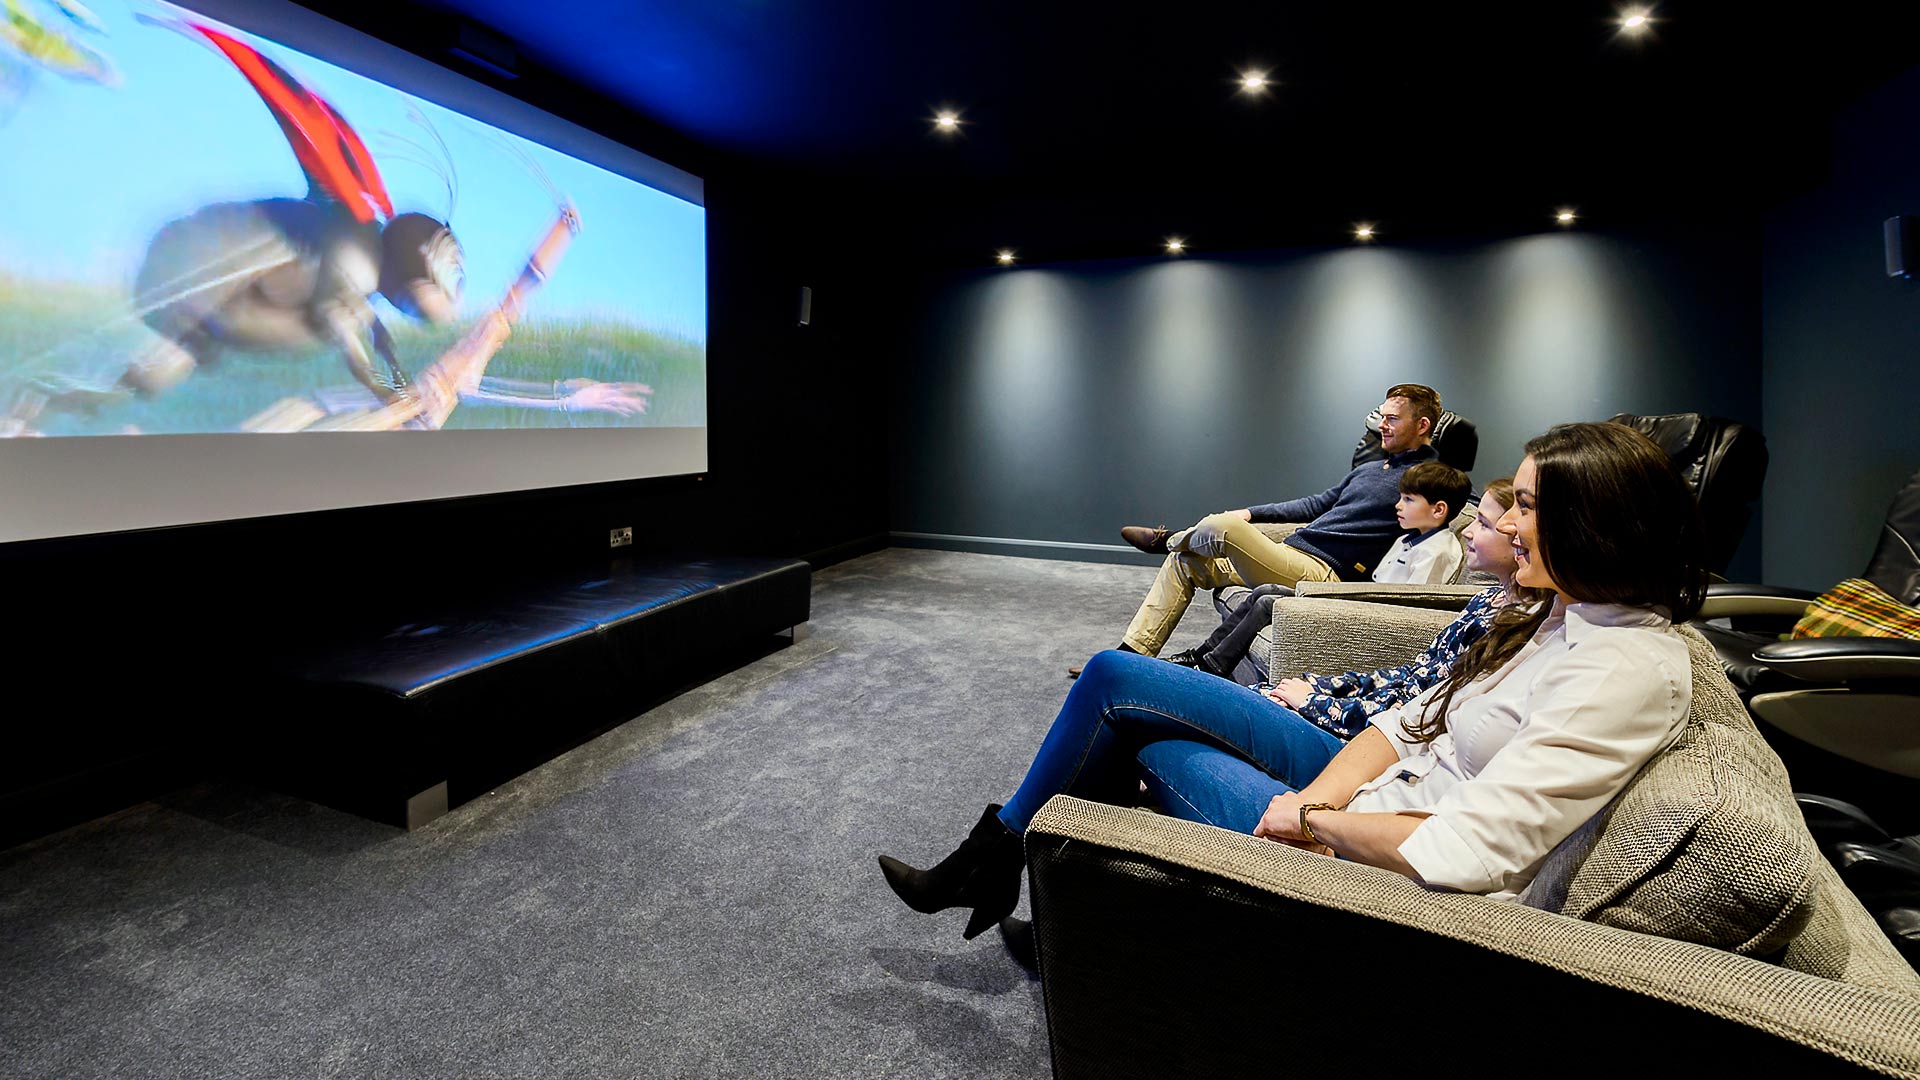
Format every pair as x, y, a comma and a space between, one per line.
1088, 127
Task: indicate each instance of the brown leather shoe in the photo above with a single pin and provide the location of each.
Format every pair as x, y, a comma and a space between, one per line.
1152, 541
1074, 671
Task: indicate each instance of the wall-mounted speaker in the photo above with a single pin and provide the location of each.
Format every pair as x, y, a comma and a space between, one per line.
1897, 231
806, 305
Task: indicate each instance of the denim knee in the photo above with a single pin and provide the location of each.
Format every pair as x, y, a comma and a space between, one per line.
1103, 666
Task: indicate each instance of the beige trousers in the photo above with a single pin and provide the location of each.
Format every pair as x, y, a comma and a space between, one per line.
1220, 550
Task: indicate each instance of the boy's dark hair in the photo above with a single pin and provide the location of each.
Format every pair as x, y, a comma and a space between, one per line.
1438, 483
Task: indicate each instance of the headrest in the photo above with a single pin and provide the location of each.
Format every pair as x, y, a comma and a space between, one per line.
1684, 436
1723, 461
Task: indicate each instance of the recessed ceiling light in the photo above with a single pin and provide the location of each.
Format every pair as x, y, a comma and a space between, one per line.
1176, 245
1636, 20
946, 121
1363, 232
1006, 257
1253, 82
1564, 216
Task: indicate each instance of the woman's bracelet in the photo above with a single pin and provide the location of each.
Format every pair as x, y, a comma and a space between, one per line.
1306, 830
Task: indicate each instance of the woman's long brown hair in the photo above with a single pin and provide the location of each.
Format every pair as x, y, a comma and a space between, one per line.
1616, 525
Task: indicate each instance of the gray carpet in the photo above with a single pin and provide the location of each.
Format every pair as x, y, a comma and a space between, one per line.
692, 894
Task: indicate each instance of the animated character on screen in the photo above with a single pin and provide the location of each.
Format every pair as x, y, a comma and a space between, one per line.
289, 273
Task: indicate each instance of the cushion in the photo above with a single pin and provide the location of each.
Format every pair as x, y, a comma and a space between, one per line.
1858, 608
1321, 635
1705, 845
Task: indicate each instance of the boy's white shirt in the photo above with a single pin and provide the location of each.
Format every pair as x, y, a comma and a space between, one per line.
1422, 559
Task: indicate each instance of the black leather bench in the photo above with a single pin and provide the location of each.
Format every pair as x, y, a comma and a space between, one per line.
400, 715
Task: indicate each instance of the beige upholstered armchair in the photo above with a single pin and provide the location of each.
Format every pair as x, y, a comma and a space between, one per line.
1692, 925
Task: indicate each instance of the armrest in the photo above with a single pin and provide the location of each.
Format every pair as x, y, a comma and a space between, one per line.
1168, 948
1729, 600
1327, 637
1441, 597
1843, 659
1832, 821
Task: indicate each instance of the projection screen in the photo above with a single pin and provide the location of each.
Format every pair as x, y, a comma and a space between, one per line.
253, 262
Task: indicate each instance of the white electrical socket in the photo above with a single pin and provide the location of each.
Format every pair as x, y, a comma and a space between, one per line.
622, 537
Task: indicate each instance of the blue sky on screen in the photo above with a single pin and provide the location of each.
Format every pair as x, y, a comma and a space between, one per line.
88, 174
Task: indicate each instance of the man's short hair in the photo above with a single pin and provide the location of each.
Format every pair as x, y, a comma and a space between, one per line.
1438, 483
1424, 399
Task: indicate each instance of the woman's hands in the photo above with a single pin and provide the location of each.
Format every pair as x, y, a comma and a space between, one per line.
1281, 823
1292, 693
1373, 839
1367, 838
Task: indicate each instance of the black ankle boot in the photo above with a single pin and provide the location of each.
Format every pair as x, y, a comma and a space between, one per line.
983, 874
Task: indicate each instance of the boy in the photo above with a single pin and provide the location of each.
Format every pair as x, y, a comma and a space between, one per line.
1428, 553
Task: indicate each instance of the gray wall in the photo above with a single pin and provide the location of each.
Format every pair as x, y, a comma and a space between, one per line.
1841, 348
1057, 403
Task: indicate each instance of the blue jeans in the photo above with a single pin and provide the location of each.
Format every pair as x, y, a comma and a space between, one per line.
1209, 750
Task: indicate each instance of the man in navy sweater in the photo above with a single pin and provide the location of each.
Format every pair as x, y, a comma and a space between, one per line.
1348, 528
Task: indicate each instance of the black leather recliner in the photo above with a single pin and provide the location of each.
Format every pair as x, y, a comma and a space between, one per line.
1843, 712
1895, 566
1844, 715
1724, 462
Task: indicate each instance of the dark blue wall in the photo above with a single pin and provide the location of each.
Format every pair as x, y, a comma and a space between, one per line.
1056, 403
1841, 348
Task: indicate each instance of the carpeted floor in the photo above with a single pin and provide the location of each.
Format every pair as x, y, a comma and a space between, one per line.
692, 894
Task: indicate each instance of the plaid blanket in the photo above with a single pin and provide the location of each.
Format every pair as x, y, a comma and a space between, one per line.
1858, 608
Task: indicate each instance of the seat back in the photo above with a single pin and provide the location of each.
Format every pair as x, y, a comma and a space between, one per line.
1707, 844
1723, 461
1896, 566
1455, 439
